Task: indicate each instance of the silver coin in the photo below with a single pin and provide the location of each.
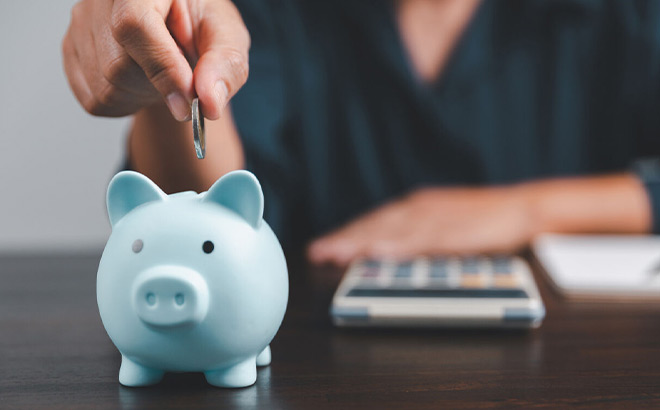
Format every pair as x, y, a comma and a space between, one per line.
198, 129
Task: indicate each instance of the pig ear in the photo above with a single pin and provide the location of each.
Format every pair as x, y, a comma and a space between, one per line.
128, 190
241, 192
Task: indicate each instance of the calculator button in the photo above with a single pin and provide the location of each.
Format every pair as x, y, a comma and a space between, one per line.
473, 281
439, 269
370, 273
404, 270
470, 265
501, 265
505, 281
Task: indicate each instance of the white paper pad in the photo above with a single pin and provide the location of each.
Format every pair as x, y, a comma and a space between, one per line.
601, 265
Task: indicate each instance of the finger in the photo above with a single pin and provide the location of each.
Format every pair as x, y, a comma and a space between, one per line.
102, 98
179, 22
386, 249
349, 242
74, 73
140, 28
120, 70
352, 241
116, 66
342, 246
223, 44
401, 247
339, 252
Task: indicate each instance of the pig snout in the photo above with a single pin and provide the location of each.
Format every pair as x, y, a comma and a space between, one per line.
168, 296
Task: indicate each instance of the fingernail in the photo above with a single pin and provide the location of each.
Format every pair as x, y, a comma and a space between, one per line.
179, 106
221, 93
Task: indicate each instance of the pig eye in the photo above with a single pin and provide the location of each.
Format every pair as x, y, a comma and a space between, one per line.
207, 247
137, 245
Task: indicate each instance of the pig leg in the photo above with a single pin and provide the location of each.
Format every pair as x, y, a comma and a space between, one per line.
264, 357
242, 374
132, 374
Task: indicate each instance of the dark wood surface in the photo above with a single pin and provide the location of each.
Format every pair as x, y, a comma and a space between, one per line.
54, 353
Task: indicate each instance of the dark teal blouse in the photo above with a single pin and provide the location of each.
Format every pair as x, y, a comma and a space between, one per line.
334, 120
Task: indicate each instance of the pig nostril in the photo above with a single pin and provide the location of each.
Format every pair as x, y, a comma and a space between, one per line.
151, 299
179, 299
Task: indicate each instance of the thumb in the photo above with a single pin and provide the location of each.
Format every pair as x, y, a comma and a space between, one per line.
222, 44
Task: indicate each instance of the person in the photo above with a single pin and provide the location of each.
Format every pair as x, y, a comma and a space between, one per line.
391, 128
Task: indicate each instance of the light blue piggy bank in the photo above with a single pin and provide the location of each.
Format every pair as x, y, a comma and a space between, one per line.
191, 282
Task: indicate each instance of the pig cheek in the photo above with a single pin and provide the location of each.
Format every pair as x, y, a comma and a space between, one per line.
115, 283
236, 307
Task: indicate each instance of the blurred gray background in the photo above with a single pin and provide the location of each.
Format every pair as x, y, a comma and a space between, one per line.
55, 159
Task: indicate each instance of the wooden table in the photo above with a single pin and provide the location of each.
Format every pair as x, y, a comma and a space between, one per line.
54, 353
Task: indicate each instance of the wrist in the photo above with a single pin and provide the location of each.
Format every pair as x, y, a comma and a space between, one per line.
162, 148
603, 204
528, 204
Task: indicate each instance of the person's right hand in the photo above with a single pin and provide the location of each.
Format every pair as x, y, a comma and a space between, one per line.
123, 55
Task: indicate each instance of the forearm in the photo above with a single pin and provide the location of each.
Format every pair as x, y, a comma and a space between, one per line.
605, 204
162, 148
504, 219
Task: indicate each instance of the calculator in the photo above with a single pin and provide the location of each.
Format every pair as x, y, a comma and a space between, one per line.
439, 292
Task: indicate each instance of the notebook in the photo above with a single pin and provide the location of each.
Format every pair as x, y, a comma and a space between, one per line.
601, 266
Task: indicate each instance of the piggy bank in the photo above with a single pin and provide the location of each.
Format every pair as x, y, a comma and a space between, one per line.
191, 282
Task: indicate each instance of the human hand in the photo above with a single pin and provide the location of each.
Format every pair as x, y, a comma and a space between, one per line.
123, 55
433, 221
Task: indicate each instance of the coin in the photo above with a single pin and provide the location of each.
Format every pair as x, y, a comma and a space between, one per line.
198, 129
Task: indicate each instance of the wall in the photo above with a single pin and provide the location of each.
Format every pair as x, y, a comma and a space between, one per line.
55, 159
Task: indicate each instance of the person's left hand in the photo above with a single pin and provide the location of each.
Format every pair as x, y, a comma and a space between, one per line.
433, 221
